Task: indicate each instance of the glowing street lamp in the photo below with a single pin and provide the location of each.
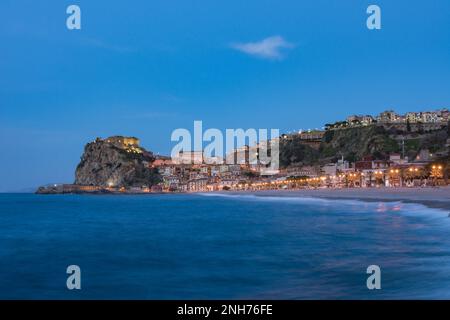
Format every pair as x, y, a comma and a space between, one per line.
396, 174
436, 171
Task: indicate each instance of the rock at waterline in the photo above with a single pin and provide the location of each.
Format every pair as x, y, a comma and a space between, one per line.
116, 162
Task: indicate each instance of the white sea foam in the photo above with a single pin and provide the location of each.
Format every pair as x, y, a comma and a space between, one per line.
413, 209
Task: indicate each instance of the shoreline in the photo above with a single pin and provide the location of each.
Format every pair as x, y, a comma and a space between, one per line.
432, 197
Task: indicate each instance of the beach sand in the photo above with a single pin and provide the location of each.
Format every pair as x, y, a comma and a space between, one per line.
433, 197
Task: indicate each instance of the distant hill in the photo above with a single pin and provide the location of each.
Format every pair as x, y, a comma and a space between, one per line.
354, 143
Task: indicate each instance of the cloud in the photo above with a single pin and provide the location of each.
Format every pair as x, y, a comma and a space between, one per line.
97, 43
268, 48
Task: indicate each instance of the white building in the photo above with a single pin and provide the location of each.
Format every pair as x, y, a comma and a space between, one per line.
189, 157
330, 169
387, 116
429, 117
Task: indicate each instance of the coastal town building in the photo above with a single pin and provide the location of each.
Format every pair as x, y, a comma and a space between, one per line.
312, 135
198, 184
241, 156
191, 171
397, 159
188, 157
389, 119
161, 163
237, 173
171, 182
123, 142
360, 120
387, 116
412, 117
128, 144
424, 155
303, 171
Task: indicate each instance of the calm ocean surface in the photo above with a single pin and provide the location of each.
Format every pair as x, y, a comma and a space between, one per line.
220, 247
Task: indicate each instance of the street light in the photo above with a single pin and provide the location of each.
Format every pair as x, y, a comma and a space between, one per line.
436, 172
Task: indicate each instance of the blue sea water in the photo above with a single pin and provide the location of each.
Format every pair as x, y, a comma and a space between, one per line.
220, 247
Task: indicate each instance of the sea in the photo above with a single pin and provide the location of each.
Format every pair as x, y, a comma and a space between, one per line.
220, 246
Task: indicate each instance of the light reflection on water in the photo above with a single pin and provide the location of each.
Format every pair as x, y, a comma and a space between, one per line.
212, 247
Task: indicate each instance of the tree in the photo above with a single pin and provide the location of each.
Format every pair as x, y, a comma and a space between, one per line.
408, 125
351, 157
328, 136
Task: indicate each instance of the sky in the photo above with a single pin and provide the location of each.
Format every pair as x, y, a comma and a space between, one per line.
145, 68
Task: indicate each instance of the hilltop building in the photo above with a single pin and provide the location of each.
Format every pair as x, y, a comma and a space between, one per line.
123, 142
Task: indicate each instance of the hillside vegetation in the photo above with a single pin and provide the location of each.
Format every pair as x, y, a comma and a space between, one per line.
354, 143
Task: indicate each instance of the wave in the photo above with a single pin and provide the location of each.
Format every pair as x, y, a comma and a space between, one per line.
300, 199
354, 204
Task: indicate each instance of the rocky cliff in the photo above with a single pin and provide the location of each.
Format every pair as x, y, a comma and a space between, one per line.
354, 143
116, 162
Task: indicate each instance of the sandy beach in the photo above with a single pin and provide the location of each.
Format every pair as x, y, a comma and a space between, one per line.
433, 197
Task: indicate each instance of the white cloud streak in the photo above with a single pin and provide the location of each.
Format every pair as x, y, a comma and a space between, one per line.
268, 48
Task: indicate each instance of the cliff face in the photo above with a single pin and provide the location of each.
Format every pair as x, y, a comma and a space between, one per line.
354, 143
294, 152
116, 162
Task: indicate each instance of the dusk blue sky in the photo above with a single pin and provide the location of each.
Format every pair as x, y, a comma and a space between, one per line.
145, 68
